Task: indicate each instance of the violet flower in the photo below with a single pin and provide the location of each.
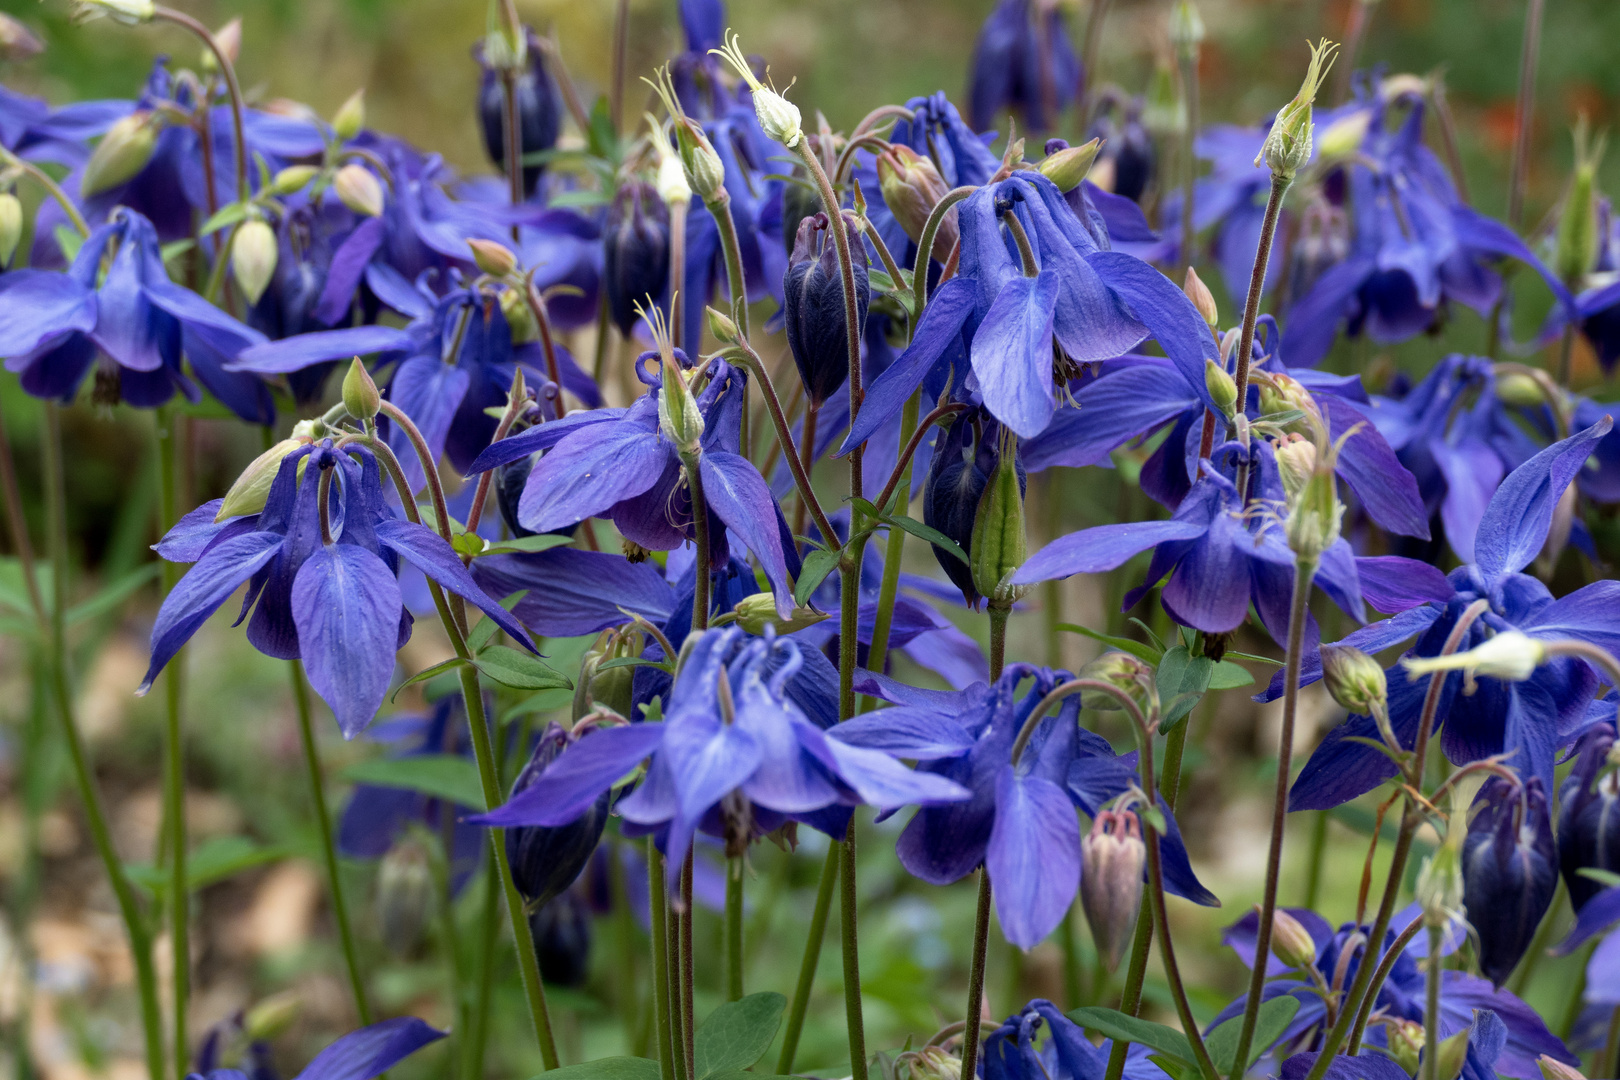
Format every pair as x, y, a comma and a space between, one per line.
1023, 61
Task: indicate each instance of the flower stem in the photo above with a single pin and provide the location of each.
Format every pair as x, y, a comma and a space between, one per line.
807, 966
925, 243
1519, 173
700, 525
17, 523
1610, 1063
748, 358
1257, 285
1566, 354
732, 248
902, 467
511, 142
1088, 57
140, 938
677, 268
1385, 966
1189, 160
489, 928
228, 70
657, 892
1304, 573
1355, 34
734, 928
1431, 1008
323, 817
852, 961
1313, 876
975, 1005
877, 655
1135, 974
52, 188
684, 917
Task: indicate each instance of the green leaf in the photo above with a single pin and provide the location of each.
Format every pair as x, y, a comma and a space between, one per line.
544, 701
527, 545
1122, 1026
176, 248
580, 198
1182, 680
613, 1068
1144, 653
633, 661
1274, 1018
1607, 878
113, 594
933, 536
603, 138
229, 214
817, 565
468, 544
443, 776
1230, 676
1252, 657
1178, 1070
737, 1034
486, 628
519, 670
429, 673
210, 862
1154, 817
1151, 636
880, 280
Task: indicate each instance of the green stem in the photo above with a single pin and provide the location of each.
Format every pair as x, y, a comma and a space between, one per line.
734, 928
1070, 947
1257, 286
1431, 1008
807, 966
878, 655
1130, 1000
702, 578
688, 1018
1566, 355
975, 1005
624, 929
174, 771
852, 961
1610, 1063
1189, 160
1313, 875
657, 892
1304, 573
323, 817
228, 70
488, 929
1523, 113
140, 939
720, 210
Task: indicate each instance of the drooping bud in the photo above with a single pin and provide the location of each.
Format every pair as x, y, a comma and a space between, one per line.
360, 394
546, 859
1290, 941
1508, 655
359, 190
1589, 814
721, 327
562, 939
1222, 387
404, 897
1112, 856
121, 153
1133, 677
930, 1063
1406, 1039
272, 1016
17, 42
1440, 879
1127, 147
1314, 510
248, 494
229, 40
292, 179
492, 257
11, 226
778, 117
705, 172
813, 306
1068, 165
254, 252
954, 487
539, 108
756, 612
519, 316
999, 544
912, 187
1578, 236
1354, 679
350, 117
1518, 389
1288, 145
1204, 301
1553, 1069
1510, 871
635, 252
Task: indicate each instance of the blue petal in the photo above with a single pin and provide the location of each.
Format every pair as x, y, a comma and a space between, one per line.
1314, 321
200, 592
1034, 856
1366, 462
880, 780
296, 353
1165, 310
39, 305
1012, 354
589, 472
1515, 524
346, 606
1394, 583
540, 437
573, 592
363, 1054
577, 778
1105, 547
907, 732
427, 551
1121, 406
737, 493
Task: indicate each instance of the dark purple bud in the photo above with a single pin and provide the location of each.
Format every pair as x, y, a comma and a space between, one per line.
1509, 870
546, 859
635, 252
799, 201
965, 456
1128, 147
813, 306
539, 114
509, 481
1023, 61
1589, 815
562, 939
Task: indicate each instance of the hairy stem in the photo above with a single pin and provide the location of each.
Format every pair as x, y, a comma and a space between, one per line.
228, 71
734, 928
174, 772
657, 892
807, 966
852, 960
732, 249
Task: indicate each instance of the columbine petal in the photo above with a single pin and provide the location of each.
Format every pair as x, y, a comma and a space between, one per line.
427, 551
588, 473
346, 606
363, 1054
1105, 547
578, 777
1515, 524
296, 353
39, 306
1012, 354
1034, 856
939, 328
200, 592
737, 493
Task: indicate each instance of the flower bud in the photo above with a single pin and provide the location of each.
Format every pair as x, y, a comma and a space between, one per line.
778, 117
1164, 110
636, 245
1453, 1054
17, 42
671, 182
121, 153
1406, 1039
1553, 1069
404, 897
1288, 145
1510, 871
931, 1063
1126, 672
1204, 301
912, 187
292, 179
229, 40
1290, 941
1578, 236
11, 226
1518, 389
1509, 655
1342, 139
1186, 28
1440, 885
561, 931
1589, 814
756, 612
545, 859
1112, 856
248, 494
350, 117
705, 172
128, 12
272, 1016
813, 307
1222, 387
721, 327
1296, 462
493, 257
359, 190
254, 252
360, 394
514, 48
679, 417
1354, 679
1068, 166
1127, 149
519, 316
999, 546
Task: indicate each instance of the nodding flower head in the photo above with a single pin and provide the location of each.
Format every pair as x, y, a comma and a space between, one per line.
1510, 871
635, 252
778, 117
813, 306
545, 859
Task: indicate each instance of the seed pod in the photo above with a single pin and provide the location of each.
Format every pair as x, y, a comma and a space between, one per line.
999, 544
359, 190
778, 117
1510, 655
492, 257
11, 226
1290, 941
679, 417
519, 315
1577, 237
254, 252
635, 252
545, 859
1406, 1041
404, 897
1111, 859
1129, 674
1589, 814
813, 307
121, 153
956, 482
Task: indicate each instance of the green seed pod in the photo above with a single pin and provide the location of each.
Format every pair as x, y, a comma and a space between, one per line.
350, 117
1406, 1044
999, 546
756, 612
1288, 145
272, 1016
1222, 387
1578, 222
292, 179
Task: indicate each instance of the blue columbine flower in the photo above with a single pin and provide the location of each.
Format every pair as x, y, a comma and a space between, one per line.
1019, 822
130, 324
1523, 1038
735, 760
335, 605
359, 1055
1598, 915
1510, 871
1589, 810
1093, 303
936, 130
1023, 61
1528, 719
1011, 1051
1597, 305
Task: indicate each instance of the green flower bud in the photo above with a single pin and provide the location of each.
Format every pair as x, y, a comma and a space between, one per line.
778, 117
229, 40
128, 12
1354, 679
1509, 655
756, 612
493, 257
912, 187
350, 117
253, 257
705, 172
404, 897
723, 329
1222, 387
248, 494
1406, 1041
679, 418
1203, 300
670, 181
1069, 166
519, 316
1296, 461
998, 545
360, 394
1126, 672
1315, 512
929, 1063
1186, 28
1578, 222
1111, 859
1516, 388
1291, 942
1288, 145
272, 1016
122, 152
359, 190
17, 42
11, 226
608, 688
292, 179
1553, 1069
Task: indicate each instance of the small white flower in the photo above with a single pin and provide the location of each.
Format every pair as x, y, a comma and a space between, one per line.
778, 116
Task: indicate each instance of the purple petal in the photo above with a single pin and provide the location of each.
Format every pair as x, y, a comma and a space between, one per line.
429, 391
347, 268
200, 592
1106, 547
1472, 473
1368, 464
363, 1054
540, 437
39, 305
427, 551
908, 732
880, 780
1394, 583
192, 534
346, 606
579, 775
736, 492
297, 353
1603, 973
1515, 524
573, 592
1012, 354
1314, 322
587, 473
1365, 1066
1034, 856
1114, 409
1371, 639
1210, 589
1165, 310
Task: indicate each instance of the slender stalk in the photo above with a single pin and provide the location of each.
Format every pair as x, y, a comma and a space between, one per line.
1448, 134
919, 432
323, 817
852, 961
807, 459
657, 891
701, 581
52, 188
1304, 573
1189, 160
1130, 1000
1257, 285
877, 655
1088, 57
140, 938
17, 523
981, 944
1431, 1008
228, 70
1385, 966
604, 331
745, 355
548, 342
511, 142
1524, 113
1609, 1065
732, 249
925, 243
636, 1022
807, 966
1313, 875
688, 1019
672, 979
489, 928
621, 50
1566, 354
677, 268
1355, 34
1069, 945
734, 928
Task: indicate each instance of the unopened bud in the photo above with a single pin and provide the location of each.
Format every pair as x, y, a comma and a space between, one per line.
272, 1016
603, 687
1453, 1054
1406, 1039
1111, 859
679, 417
359, 190
493, 257
253, 257
122, 152
933, 1063
1354, 679
519, 316
1553, 1069
360, 394
229, 40
998, 545
248, 494
1509, 655
350, 117
1315, 513
778, 117
404, 897
670, 182
912, 187
1164, 110
1290, 941
11, 226
721, 327
756, 612
1202, 299
1124, 671
1578, 237
1288, 145
1222, 388
1518, 389
1186, 28
292, 179
129, 12
1069, 166
17, 42
1296, 463
705, 172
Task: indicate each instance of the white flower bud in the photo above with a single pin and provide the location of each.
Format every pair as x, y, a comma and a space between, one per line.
1509, 655
778, 117
253, 257
359, 190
